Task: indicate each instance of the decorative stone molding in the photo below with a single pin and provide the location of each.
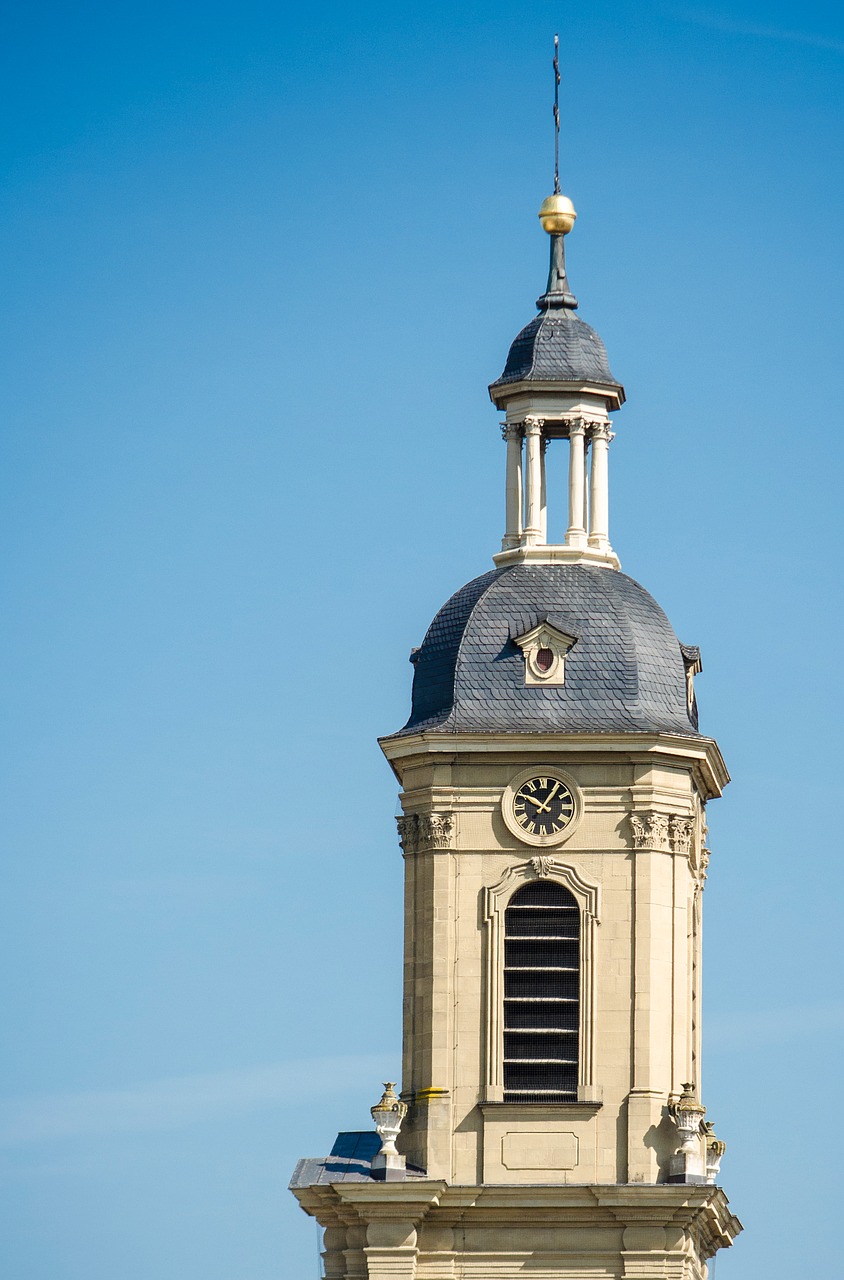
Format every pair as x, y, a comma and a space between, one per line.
705, 855
541, 865
602, 431
508, 813
680, 831
545, 647
387, 1116
715, 1149
650, 831
436, 829
496, 898
688, 1163
666, 832
425, 830
406, 824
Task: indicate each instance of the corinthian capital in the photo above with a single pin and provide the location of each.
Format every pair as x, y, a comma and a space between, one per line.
533, 426
650, 830
408, 825
602, 431
436, 829
681, 830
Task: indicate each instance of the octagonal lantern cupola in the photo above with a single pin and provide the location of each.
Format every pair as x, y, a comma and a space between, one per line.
557, 385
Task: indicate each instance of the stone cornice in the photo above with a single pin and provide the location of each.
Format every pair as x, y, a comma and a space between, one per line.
703, 754
612, 392
703, 1211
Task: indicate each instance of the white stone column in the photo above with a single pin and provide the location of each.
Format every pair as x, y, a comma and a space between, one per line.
587, 456
533, 468
599, 488
576, 532
543, 493
512, 433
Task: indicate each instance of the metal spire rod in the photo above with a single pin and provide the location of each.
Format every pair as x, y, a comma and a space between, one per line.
556, 115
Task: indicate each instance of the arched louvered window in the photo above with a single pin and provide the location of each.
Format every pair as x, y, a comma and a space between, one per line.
541, 994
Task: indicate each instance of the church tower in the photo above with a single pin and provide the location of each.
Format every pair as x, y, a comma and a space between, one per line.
554, 784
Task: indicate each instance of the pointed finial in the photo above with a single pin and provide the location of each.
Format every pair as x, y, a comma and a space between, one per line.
557, 213
556, 115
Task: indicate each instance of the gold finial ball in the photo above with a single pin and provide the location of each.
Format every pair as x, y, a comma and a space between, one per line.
557, 215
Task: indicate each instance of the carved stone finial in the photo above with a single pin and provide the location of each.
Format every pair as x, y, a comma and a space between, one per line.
688, 1162
715, 1149
388, 1115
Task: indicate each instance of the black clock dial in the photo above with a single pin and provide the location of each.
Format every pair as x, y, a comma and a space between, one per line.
543, 806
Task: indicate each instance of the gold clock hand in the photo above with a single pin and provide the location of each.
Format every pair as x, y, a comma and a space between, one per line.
554, 790
543, 808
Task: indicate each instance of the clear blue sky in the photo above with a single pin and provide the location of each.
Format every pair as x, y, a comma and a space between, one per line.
261, 263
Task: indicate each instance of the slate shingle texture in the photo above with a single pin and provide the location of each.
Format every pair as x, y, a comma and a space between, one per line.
625, 673
557, 347
350, 1161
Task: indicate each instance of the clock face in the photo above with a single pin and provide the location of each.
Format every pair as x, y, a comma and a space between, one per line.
542, 806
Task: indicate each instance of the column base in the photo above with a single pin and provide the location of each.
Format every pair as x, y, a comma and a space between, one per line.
599, 543
557, 554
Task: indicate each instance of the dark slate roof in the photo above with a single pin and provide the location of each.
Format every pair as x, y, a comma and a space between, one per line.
625, 673
350, 1161
557, 347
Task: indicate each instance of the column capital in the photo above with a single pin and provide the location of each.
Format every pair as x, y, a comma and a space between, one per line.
602, 431
511, 430
533, 426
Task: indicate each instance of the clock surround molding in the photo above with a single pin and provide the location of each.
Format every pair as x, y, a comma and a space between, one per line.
509, 795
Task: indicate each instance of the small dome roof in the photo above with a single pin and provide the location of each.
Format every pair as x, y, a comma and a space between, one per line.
557, 347
625, 673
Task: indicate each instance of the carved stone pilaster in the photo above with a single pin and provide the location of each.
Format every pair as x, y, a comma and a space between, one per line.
436, 830
668, 832
680, 832
650, 831
425, 830
407, 824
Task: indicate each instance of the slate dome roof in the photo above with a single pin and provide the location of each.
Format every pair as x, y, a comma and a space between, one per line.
557, 347
625, 673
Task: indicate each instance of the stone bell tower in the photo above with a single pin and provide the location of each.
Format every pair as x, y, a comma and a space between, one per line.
554, 785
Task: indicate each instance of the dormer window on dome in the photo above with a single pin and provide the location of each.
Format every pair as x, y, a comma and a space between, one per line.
545, 648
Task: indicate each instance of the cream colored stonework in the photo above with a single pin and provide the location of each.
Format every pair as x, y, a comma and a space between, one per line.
428, 1230
633, 863
562, 1190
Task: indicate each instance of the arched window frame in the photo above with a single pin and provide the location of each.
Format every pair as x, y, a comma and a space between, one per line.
496, 900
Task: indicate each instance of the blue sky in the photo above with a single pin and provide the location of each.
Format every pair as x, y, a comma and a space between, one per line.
260, 265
